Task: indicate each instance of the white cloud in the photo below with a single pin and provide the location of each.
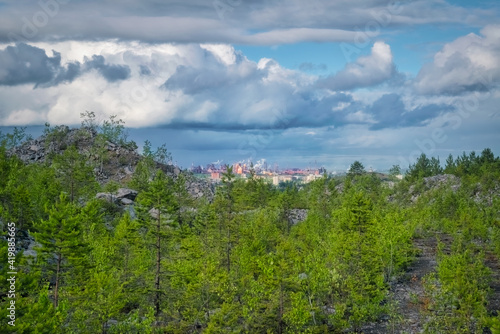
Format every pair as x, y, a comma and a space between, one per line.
365, 71
469, 63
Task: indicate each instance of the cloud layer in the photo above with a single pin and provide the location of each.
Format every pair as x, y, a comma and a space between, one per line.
207, 86
259, 22
176, 66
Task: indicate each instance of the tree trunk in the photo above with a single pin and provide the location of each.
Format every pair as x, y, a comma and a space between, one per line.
228, 250
158, 267
280, 318
56, 289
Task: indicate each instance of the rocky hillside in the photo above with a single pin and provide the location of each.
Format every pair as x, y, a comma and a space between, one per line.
111, 161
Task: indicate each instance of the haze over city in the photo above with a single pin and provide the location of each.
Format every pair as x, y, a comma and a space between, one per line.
327, 83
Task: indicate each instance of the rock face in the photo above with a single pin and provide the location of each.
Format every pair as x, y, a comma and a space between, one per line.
25, 242
434, 182
296, 216
198, 188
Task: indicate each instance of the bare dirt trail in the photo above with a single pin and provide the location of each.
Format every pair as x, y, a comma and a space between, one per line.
408, 292
409, 295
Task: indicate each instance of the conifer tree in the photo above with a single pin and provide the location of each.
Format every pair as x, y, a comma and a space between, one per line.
75, 173
61, 238
159, 214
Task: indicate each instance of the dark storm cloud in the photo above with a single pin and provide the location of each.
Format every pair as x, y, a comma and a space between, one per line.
26, 64
390, 112
110, 72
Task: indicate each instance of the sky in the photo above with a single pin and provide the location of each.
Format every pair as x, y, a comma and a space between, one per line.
299, 84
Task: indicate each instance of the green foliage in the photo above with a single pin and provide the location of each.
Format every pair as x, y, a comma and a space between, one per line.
171, 264
395, 170
75, 174
17, 137
62, 251
114, 131
423, 167
459, 293
356, 168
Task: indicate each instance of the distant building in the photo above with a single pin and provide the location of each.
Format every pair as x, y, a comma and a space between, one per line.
215, 176
312, 177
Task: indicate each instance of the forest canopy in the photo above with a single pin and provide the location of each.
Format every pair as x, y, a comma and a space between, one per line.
158, 260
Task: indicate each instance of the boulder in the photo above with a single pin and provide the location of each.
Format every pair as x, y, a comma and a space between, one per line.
126, 201
126, 193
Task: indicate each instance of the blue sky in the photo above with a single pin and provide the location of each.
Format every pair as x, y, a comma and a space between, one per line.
327, 82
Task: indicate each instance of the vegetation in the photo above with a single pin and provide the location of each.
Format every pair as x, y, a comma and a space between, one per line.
238, 264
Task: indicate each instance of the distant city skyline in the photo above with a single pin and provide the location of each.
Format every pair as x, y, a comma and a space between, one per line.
377, 81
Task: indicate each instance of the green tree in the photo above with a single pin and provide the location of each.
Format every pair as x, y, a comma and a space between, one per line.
423, 167
75, 174
115, 132
395, 171
159, 214
61, 238
356, 168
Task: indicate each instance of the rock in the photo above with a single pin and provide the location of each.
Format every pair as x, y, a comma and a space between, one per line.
437, 180
296, 216
154, 213
131, 211
35, 148
126, 193
106, 196
30, 251
128, 170
126, 201
110, 323
434, 182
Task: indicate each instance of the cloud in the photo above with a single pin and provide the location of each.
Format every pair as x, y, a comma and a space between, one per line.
27, 64
366, 71
468, 64
260, 22
111, 72
181, 86
22, 63
389, 111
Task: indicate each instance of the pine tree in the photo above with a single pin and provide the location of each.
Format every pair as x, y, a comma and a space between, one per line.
61, 238
159, 214
75, 173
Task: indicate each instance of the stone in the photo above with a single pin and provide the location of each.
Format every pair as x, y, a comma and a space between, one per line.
126, 193
105, 196
35, 148
296, 216
126, 201
154, 213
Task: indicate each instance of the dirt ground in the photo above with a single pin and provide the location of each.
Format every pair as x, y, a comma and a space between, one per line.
409, 296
